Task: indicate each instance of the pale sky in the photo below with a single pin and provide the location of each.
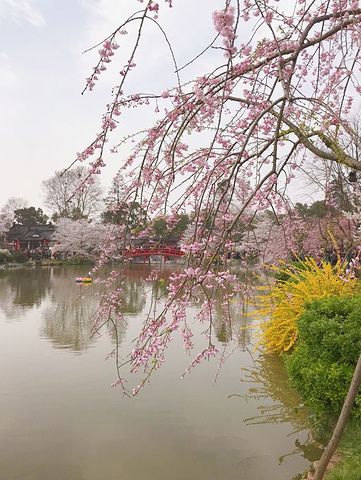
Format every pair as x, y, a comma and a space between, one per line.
44, 118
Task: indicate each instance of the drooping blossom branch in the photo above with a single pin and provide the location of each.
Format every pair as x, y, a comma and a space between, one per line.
226, 145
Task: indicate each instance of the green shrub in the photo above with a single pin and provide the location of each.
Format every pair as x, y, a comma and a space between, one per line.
328, 347
20, 257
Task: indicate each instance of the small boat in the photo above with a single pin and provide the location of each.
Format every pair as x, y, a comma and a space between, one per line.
83, 280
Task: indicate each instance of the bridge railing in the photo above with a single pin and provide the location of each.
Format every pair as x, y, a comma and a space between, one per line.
147, 252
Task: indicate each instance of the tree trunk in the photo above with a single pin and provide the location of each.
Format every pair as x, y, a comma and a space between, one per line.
341, 423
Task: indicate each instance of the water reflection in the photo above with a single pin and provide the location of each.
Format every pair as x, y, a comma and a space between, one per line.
70, 313
68, 323
24, 288
60, 419
279, 403
232, 326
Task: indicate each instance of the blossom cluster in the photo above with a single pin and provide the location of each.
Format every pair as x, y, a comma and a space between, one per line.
224, 24
106, 53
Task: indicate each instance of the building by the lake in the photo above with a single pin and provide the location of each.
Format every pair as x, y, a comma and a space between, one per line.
29, 237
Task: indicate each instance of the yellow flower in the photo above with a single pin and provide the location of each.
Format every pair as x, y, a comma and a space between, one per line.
279, 304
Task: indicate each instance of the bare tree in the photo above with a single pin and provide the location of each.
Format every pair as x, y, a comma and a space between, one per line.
67, 196
7, 212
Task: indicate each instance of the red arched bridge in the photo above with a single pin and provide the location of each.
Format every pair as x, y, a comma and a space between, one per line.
148, 252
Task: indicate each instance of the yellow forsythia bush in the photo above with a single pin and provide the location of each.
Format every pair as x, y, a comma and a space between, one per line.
280, 303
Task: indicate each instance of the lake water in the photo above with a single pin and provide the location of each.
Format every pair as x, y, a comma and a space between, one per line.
61, 420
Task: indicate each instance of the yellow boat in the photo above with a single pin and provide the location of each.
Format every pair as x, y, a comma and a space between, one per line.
83, 280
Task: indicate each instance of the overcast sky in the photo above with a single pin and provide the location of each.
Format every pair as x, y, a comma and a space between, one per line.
44, 118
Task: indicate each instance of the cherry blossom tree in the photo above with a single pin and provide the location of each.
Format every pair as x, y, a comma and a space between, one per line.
78, 238
3, 226
276, 101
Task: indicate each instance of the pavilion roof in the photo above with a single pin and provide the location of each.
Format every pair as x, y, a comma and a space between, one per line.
30, 232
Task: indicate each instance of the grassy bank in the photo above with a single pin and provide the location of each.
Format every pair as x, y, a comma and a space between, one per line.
47, 263
349, 467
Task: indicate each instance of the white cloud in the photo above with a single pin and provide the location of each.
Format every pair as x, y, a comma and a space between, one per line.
22, 10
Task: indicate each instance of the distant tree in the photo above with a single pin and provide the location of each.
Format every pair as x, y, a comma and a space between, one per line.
303, 231
30, 216
302, 209
122, 208
117, 193
318, 209
267, 239
321, 209
130, 214
342, 194
68, 195
78, 238
165, 227
7, 212
181, 224
159, 227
